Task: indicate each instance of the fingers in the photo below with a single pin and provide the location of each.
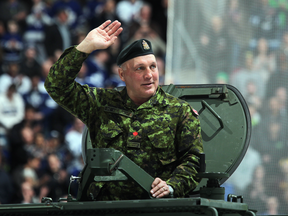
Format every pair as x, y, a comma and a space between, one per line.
113, 28
119, 30
105, 24
159, 188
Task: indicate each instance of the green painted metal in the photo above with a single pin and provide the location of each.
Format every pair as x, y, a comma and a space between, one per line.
225, 122
107, 164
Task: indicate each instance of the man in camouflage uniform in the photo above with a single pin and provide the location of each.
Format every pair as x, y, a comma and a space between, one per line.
157, 131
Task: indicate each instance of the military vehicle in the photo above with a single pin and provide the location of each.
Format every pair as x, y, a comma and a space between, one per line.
226, 131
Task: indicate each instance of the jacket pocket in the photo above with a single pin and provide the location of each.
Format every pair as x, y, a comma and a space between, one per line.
110, 130
163, 142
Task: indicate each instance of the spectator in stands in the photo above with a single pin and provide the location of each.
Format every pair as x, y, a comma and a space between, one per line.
6, 186
216, 39
29, 66
45, 67
145, 20
58, 36
252, 96
12, 76
97, 67
283, 202
35, 27
281, 96
31, 120
27, 136
256, 192
272, 206
283, 49
14, 10
273, 112
40, 100
27, 172
271, 141
235, 20
264, 60
91, 10
113, 52
19, 152
2, 32
28, 194
73, 9
60, 120
264, 21
82, 76
241, 77
128, 10
12, 43
146, 31
55, 144
283, 185
280, 77
161, 15
248, 165
107, 12
56, 178
272, 146
114, 79
12, 108
73, 140
15, 143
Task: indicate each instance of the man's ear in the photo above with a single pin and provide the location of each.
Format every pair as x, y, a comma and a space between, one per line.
121, 74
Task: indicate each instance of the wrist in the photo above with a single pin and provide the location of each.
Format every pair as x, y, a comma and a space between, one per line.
171, 190
85, 47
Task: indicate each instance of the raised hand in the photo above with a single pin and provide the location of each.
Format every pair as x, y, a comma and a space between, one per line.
101, 37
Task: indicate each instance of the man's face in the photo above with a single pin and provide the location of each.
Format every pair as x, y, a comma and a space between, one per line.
141, 77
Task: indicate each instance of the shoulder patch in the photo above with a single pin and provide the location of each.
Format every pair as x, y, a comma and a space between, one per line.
195, 112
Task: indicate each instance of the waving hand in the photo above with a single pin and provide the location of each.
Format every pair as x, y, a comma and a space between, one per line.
101, 37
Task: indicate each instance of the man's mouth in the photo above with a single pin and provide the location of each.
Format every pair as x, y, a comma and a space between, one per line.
147, 84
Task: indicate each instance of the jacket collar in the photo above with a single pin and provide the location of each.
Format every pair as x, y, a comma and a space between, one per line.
160, 98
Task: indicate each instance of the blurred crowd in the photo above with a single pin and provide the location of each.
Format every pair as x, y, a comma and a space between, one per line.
247, 46
40, 142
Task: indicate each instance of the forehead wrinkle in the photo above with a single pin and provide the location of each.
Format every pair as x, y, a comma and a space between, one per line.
144, 61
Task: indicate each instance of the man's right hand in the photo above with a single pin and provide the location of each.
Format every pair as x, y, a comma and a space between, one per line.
101, 37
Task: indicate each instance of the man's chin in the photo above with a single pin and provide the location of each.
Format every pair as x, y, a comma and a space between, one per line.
149, 93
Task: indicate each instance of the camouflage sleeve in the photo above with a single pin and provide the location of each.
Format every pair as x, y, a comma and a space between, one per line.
62, 87
190, 146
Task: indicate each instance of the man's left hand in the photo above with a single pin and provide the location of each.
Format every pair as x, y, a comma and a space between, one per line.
159, 188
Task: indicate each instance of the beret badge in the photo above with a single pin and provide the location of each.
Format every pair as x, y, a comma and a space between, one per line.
145, 45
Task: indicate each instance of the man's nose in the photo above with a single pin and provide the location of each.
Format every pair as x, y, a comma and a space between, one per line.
148, 74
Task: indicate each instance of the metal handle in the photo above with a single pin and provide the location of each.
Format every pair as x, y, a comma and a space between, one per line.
112, 167
206, 105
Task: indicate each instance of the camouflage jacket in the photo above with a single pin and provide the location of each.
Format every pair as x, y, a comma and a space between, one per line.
166, 130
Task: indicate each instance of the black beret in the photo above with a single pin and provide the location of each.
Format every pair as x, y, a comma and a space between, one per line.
137, 48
